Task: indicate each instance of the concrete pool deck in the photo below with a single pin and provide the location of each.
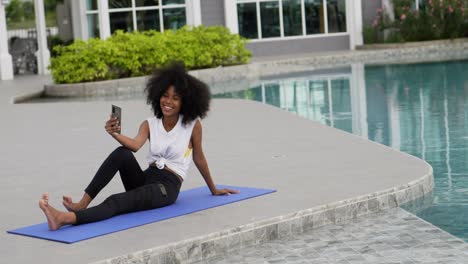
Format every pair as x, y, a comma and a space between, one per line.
323, 176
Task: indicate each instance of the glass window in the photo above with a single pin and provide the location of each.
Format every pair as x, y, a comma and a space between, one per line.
173, 2
336, 12
174, 18
314, 16
247, 20
123, 13
91, 5
120, 3
121, 20
148, 19
292, 17
293, 14
269, 13
147, 2
93, 25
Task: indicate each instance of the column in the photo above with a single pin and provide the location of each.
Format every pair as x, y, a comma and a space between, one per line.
354, 21
6, 63
230, 14
43, 54
104, 22
196, 9
193, 13
80, 30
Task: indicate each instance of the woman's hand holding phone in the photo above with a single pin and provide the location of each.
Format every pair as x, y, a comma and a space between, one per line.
112, 125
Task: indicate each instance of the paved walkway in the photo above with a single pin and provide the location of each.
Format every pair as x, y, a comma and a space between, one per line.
392, 236
21, 86
57, 147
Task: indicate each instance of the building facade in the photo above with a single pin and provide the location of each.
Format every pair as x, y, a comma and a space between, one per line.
274, 27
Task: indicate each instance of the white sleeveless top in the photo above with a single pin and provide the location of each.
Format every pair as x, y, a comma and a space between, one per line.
170, 148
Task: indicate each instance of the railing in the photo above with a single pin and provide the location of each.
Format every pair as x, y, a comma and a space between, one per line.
30, 32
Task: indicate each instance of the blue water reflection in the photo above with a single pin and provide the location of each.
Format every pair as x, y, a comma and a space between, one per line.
421, 109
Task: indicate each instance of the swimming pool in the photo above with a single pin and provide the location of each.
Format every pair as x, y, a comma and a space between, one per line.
420, 109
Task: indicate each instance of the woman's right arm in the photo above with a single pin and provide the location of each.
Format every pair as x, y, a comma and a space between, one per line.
134, 144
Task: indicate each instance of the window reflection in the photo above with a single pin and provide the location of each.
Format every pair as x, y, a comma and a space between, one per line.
341, 100
174, 18
146, 2
336, 13
247, 20
292, 18
91, 5
121, 20
173, 2
148, 19
324, 99
272, 92
316, 98
314, 16
93, 26
120, 3
269, 13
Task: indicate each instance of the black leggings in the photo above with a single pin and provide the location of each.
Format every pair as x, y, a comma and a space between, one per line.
144, 190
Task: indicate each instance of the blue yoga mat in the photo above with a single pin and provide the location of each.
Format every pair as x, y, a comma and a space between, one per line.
189, 201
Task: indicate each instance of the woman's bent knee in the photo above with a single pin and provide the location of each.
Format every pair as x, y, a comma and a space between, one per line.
121, 153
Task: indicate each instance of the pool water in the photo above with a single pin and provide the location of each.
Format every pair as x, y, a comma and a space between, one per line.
420, 109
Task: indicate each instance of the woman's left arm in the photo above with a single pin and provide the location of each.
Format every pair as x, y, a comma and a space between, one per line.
201, 163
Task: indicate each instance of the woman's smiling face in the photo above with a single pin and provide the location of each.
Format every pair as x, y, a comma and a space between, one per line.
170, 102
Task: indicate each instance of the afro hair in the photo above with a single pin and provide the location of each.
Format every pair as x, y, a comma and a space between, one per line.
194, 93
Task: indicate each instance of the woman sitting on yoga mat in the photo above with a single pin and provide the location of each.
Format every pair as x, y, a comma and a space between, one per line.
178, 101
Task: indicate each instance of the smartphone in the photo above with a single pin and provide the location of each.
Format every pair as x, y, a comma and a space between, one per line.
117, 112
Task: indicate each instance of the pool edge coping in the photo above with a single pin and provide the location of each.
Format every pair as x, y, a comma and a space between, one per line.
280, 227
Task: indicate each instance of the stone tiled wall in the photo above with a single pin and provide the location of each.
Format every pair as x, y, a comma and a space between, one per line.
281, 227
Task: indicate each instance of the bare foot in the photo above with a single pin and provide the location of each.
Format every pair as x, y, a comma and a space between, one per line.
53, 216
45, 203
71, 206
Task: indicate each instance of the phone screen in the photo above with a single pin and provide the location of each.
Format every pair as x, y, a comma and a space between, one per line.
117, 112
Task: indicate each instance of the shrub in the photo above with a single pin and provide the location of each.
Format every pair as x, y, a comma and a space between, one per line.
138, 53
435, 19
83, 61
369, 34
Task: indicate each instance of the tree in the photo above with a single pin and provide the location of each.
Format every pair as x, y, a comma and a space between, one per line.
14, 11
51, 4
28, 9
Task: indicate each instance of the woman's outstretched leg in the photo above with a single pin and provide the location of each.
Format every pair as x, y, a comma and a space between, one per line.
146, 197
55, 218
121, 160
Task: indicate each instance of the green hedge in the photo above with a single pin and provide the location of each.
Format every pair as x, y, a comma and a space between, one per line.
137, 54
